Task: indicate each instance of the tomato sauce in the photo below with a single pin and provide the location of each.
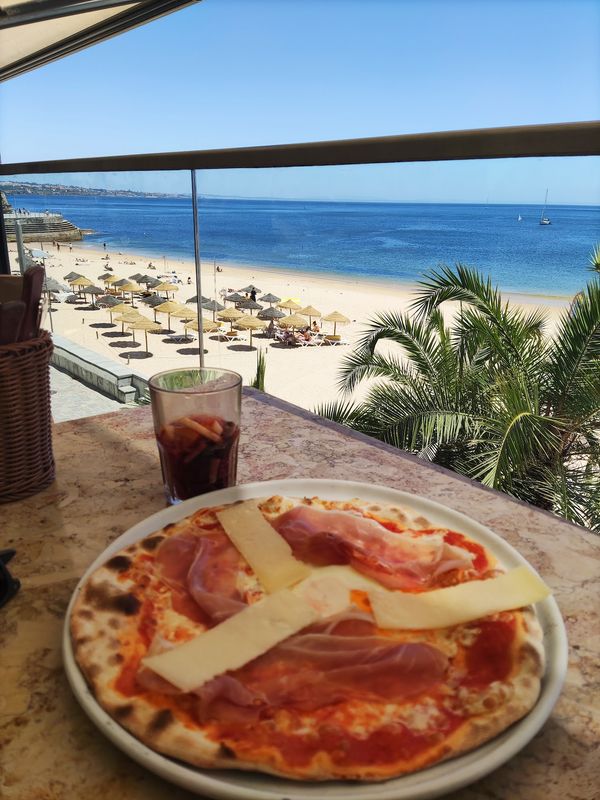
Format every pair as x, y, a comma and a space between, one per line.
490, 657
390, 744
480, 561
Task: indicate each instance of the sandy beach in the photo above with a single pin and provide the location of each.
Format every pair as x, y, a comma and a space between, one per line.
305, 376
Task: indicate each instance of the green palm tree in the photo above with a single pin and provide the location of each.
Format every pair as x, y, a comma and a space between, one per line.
594, 259
487, 393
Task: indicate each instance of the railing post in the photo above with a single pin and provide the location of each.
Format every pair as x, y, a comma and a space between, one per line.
197, 263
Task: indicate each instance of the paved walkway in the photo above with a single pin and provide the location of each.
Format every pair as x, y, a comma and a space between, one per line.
73, 400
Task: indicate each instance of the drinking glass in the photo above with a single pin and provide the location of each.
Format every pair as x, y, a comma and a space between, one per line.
197, 424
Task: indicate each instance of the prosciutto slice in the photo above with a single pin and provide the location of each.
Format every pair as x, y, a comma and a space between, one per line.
322, 666
201, 571
396, 560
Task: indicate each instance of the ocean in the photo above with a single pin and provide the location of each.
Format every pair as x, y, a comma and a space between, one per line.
376, 241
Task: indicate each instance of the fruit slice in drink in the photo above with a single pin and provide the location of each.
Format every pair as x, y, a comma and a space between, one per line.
198, 454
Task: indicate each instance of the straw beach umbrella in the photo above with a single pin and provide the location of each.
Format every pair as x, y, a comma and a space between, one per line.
270, 313
293, 321
108, 301
250, 324
212, 305
166, 287
290, 304
131, 287
81, 282
129, 316
235, 297
251, 305
144, 324
184, 313
249, 289
230, 315
110, 280
310, 312
207, 325
270, 299
71, 276
119, 308
194, 299
337, 319
168, 308
94, 291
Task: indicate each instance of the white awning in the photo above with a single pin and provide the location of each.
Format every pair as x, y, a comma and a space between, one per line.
35, 32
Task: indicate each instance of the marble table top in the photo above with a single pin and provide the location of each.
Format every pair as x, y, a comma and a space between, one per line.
108, 478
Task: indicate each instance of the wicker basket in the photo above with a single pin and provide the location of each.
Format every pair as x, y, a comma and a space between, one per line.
26, 460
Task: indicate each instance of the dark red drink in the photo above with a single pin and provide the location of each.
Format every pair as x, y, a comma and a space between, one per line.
198, 454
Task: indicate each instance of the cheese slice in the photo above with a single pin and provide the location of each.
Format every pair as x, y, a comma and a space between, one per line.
235, 642
327, 595
442, 608
268, 553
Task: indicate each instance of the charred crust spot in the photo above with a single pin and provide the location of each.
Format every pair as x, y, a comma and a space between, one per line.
152, 543
119, 563
226, 752
127, 603
114, 623
102, 598
161, 720
93, 670
120, 712
116, 658
169, 526
85, 613
82, 640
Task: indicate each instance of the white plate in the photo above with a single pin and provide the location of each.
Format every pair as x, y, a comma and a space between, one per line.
429, 783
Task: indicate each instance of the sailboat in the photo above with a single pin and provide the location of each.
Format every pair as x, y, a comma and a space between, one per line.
544, 219
519, 218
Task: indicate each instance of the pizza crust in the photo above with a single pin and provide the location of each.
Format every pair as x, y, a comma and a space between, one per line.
106, 610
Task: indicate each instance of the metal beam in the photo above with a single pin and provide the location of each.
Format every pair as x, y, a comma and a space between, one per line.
44, 10
524, 141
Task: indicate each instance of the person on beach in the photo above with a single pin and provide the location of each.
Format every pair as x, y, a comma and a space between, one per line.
253, 295
189, 280
104, 245
315, 328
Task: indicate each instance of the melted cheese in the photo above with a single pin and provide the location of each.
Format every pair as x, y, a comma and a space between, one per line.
442, 608
268, 553
235, 642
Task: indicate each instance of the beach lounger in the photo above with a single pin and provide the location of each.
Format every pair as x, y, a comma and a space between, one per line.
181, 338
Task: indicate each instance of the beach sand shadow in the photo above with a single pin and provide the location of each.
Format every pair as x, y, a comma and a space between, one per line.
241, 348
190, 351
282, 346
125, 344
139, 354
115, 334
103, 325
161, 332
174, 341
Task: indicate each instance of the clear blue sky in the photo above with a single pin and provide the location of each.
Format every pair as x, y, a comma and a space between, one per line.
228, 73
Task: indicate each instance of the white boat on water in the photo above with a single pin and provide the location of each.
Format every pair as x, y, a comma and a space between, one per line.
544, 219
519, 218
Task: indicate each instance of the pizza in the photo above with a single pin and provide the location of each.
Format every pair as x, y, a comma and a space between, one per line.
311, 639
